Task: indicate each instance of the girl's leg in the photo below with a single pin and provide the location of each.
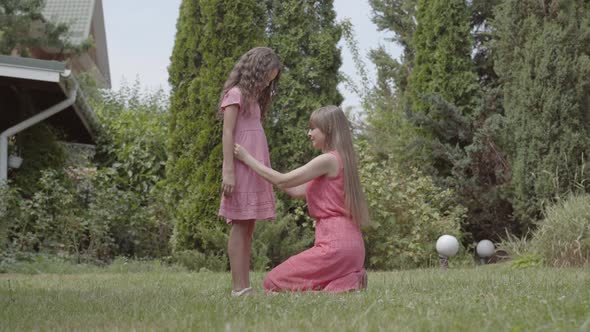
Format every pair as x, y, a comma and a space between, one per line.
239, 247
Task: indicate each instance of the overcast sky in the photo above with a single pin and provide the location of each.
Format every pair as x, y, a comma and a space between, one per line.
140, 38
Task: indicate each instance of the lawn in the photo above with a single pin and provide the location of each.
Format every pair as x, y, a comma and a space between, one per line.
150, 296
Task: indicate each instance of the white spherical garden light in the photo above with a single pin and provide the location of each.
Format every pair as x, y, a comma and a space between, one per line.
485, 249
446, 246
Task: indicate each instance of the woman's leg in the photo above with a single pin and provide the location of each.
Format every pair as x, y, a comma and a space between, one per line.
336, 258
239, 247
300, 272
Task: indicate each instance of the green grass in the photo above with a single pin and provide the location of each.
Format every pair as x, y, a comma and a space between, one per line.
150, 296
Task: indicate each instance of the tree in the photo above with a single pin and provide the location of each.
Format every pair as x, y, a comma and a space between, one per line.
439, 106
305, 36
542, 55
211, 35
22, 27
449, 50
398, 17
388, 128
442, 63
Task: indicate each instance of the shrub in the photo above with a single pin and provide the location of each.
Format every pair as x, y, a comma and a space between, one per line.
562, 238
133, 138
86, 216
48, 220
9, 198
94, 213
408, 214
277, 240
40, 150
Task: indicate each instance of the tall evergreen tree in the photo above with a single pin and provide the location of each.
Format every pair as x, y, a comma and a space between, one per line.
399, 18
211, 36
445, 55
442, 63
388, 129
442, 88
305, 36
543, 57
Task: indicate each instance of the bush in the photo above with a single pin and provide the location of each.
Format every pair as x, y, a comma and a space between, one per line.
408, 214
40, 151
9, 198
133, 137
48, 220
562, 238
275, 241
94, 213
131, 220
84, 215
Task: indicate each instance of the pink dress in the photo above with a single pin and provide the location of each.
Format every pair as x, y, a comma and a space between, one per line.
253, 197
336, 261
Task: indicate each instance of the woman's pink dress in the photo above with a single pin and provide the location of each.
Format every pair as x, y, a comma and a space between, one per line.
253, 197
336, 261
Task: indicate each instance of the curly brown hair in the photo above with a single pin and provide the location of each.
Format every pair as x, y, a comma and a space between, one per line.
250, 74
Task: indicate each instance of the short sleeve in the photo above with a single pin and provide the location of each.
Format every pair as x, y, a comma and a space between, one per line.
232, 97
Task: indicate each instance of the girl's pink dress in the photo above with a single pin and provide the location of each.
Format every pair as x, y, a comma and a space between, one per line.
336, 261
253, 197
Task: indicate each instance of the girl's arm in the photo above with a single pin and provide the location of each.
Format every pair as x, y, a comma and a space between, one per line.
230, 114
324, 164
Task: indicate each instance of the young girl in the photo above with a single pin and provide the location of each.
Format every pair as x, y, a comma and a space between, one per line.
330, 183
246, 197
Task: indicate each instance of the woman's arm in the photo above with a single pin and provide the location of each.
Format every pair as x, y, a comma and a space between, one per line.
297, 191
230, 114
324, 164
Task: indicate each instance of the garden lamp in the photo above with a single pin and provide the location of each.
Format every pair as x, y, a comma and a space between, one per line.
446, 246
485, 249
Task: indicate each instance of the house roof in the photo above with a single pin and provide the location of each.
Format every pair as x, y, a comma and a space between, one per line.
85, 19
76, 13
29, 68
41, 84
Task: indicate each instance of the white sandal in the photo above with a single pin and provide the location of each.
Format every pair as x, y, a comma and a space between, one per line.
243, 292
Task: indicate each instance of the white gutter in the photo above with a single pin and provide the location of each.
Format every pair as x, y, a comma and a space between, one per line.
31, 122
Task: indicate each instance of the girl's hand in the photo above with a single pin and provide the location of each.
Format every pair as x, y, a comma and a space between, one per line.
229, 182
240, 152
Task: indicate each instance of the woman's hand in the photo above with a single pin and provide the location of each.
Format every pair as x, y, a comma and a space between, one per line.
240, 152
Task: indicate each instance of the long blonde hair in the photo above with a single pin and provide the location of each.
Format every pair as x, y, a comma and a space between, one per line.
250, 73
334, 124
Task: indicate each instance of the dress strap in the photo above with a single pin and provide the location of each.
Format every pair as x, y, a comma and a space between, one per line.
340, 164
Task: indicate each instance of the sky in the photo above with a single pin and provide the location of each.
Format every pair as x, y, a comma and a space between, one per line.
140, 38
